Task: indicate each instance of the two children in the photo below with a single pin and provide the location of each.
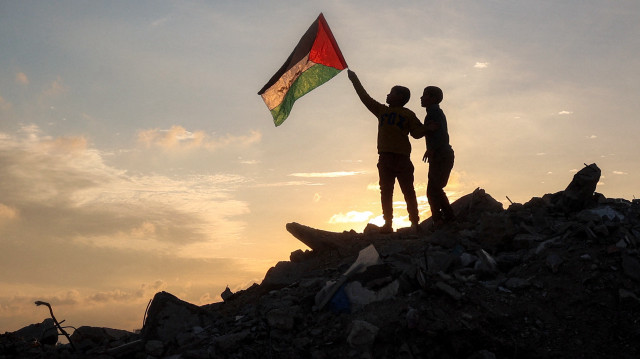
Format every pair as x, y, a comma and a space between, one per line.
395, 124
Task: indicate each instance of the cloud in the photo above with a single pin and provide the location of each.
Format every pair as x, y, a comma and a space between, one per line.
289, 183
7, 213
178, 138
592, 137
351, 217
619, 173
22, 79
62, 188
563, 113
118, 295
326, 174
22, 305
481, 65
70, 297
55, 88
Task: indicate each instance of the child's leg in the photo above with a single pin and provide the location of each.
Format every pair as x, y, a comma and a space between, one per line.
405, 179
387, 181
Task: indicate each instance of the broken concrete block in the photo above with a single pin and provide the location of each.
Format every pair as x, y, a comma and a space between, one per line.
281, 318
358, 295
168, 316
580, 191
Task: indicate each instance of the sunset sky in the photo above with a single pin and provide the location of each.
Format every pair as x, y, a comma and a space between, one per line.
136, 155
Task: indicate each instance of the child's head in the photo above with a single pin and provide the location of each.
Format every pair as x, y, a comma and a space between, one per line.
398, 96
432, 95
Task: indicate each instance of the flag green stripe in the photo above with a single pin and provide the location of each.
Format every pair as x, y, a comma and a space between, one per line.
307, 81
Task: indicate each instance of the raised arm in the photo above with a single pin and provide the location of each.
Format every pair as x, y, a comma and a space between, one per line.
367, 100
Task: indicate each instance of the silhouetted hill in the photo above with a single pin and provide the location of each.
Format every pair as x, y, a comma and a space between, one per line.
555, 277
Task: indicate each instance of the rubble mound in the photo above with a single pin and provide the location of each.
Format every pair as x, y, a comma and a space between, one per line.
555, 277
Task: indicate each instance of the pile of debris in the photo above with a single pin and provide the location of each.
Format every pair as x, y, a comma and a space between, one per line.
556, 277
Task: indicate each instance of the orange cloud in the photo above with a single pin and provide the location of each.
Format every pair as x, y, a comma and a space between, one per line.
326, 174
7, 213
67, 144
22, 78
178, 138
56, 88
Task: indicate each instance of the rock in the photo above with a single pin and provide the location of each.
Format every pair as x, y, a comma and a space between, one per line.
580, 191
87, 337
486, 263
282, 318
452, 292
526, 240
226, 294
627, 296
516, 283
439, 262
297, 256
362, 334
473, 205
154, 348
631, 267
169, 316
45, 332
360, 296
554, 261
228, 342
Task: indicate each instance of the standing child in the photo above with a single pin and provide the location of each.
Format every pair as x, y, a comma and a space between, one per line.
439, 154
395, 123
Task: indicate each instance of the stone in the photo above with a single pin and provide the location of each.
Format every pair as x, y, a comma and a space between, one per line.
362, 334
452, 292
517, 283
45, 332
554, 261
228, 342
358, 295
486, 262
281, 318
631, 267
154, 348
439, 262
169, 316
581, 189
226, 294
86, 336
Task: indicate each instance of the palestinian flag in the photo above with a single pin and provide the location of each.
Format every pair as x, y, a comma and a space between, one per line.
315, 60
